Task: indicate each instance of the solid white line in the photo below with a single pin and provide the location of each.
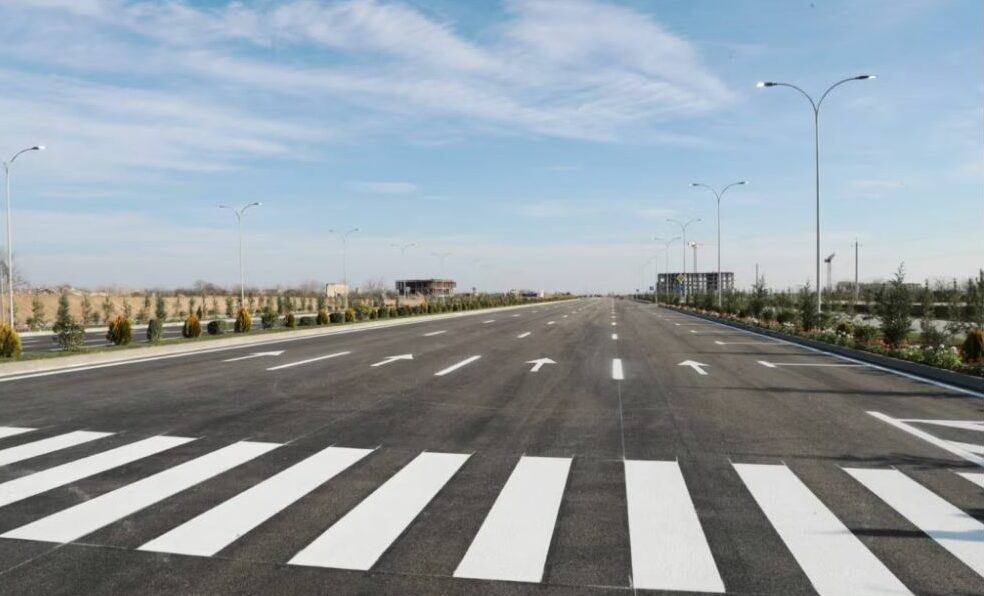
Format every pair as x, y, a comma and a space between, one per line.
513, 541
358, 540
832, 557
522, 335
971, 425
617, 369
56, 443
950, 527
85, 518
455, 367
39, 482
668, 547
975, 477
309, 360
775, 364
12, 431
433, 333
615, 336
970, 447
222, 525
925, 436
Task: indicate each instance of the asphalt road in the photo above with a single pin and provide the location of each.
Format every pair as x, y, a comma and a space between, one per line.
476, 467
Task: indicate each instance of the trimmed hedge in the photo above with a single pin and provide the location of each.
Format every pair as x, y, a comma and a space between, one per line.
217, 327
10, 342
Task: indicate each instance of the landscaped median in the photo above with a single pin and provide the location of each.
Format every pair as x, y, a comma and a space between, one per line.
112, 356
931, 373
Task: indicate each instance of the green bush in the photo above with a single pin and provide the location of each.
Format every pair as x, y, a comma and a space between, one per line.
322, 316
308, 322
290, 321
10, 343
217, 327
244, 320
768, 313
893, 307
269, 317
192, 327
865, 334
809, 318
36, 321
785, 315
120, 331
154, 330
336, 317
973, 345
69, 335
845, 327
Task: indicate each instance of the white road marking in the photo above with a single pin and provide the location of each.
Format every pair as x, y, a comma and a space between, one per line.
513, 541
745, 343
830, 364
615, 336
617, 369
255, 355
668, 547
489, 321
522, 335
433, 333
950, 527
455, 367
969, 447
538, 363
515, 316
358, 540
564, 317
614, 324
56, 443
925, 436
309, 360
85, 518
12, 431
695, 365
975, 477
550, 322
971, 425
832, 557
390, 359
223, 524
39, 482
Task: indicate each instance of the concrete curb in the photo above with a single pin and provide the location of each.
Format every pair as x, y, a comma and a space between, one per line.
915, 369
68, 363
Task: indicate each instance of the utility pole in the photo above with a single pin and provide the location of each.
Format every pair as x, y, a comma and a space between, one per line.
857, 246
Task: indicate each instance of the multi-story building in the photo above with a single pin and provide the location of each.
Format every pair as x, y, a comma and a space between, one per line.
695, 283
426, 287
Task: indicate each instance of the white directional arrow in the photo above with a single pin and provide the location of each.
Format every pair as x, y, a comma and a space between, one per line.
539, 362
394, 359
255, 355
694, 365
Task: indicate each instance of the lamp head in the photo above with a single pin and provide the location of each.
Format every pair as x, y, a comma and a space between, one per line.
37, 148
762, 84
866, 77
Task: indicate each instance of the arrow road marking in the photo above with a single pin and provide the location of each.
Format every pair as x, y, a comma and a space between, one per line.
694, 365
775, 364
538, 363
255, 355
393, 359
455, 367
309, 360
522, 335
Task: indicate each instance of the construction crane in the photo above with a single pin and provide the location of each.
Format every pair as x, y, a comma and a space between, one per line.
829, 261
695, 245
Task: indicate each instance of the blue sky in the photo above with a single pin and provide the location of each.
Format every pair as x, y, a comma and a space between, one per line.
542, 143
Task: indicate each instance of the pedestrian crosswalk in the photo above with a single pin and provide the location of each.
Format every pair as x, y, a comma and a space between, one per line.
512, 537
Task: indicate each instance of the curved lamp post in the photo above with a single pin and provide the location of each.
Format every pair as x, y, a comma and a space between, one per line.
344, 236
816, 146
10, 237
683, 229
403, 259
242, 266
718, 196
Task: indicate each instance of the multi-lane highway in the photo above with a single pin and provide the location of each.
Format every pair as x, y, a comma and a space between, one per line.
587, 447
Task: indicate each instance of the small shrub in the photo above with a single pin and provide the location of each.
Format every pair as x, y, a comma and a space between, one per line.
192, 327
244, 320
845, 327
784, 315
36, 321
307, 322
931, 336
10, 343
865, 334
290, 321
269, 318
336, 317
217, 327
120, 331
973, 345
349, 315
893, 307
70, 335
154, 330
322, 317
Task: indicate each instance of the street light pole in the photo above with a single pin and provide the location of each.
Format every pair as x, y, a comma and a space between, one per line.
10, 234
242, 266
718, 195
344, 237
683, 228
666, 254
816, 149
403, 260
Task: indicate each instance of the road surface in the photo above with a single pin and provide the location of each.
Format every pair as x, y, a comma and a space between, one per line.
589, 447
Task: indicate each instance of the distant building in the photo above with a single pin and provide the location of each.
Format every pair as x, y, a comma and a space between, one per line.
527, 293
674, 283
426, 287
335, 290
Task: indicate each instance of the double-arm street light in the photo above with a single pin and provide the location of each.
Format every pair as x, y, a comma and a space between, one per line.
344, 236
10, 237
242, 266
816, 148
403, 259
718, 196
666, 250
683, 229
